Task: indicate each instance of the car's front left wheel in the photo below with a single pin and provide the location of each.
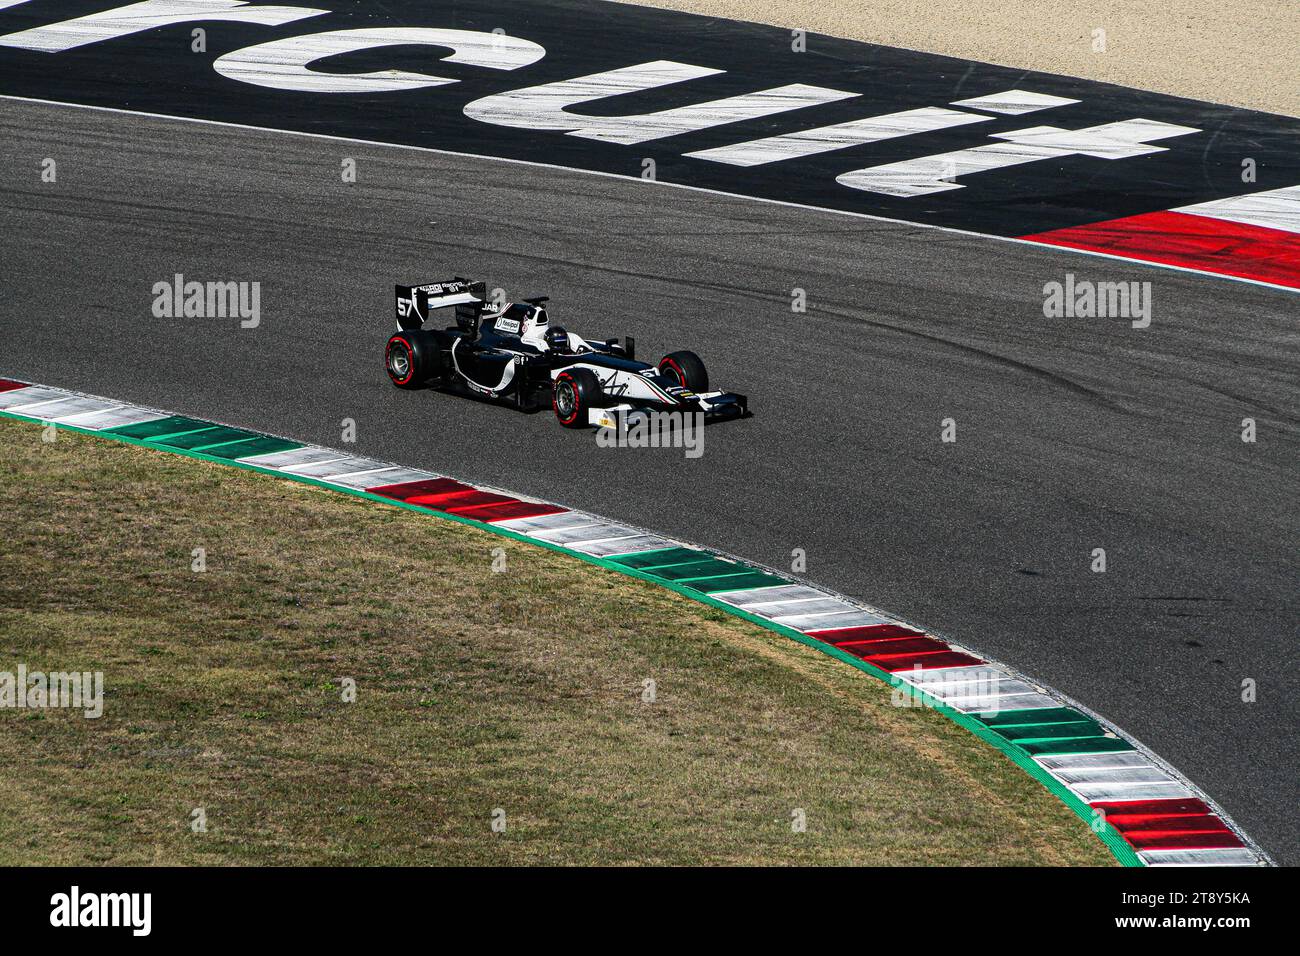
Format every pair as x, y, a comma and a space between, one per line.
687, 369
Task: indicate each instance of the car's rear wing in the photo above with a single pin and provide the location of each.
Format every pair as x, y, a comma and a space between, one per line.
415, 303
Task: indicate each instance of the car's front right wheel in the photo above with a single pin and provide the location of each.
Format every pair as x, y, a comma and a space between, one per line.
574, 392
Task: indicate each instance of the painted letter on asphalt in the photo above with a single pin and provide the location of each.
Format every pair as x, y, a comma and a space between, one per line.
933, 174
546, 106
283, 64
123, 21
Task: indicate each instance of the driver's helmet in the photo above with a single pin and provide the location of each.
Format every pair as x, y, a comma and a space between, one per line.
557, 340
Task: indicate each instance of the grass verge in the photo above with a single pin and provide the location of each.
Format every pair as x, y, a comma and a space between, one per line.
517, 694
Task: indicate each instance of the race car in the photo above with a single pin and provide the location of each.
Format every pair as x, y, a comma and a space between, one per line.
511, 353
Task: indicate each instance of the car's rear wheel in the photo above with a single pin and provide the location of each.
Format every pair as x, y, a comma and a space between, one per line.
687, 369
411, 359
574, 392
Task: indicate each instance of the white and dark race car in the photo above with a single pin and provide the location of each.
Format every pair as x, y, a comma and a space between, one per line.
513, 354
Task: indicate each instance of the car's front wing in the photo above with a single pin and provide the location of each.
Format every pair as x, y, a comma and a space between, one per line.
713, 405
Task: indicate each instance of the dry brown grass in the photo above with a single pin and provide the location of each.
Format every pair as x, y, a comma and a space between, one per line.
476, 691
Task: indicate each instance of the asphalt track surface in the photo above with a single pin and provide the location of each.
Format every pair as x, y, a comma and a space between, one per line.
1200, 159
1073, 434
